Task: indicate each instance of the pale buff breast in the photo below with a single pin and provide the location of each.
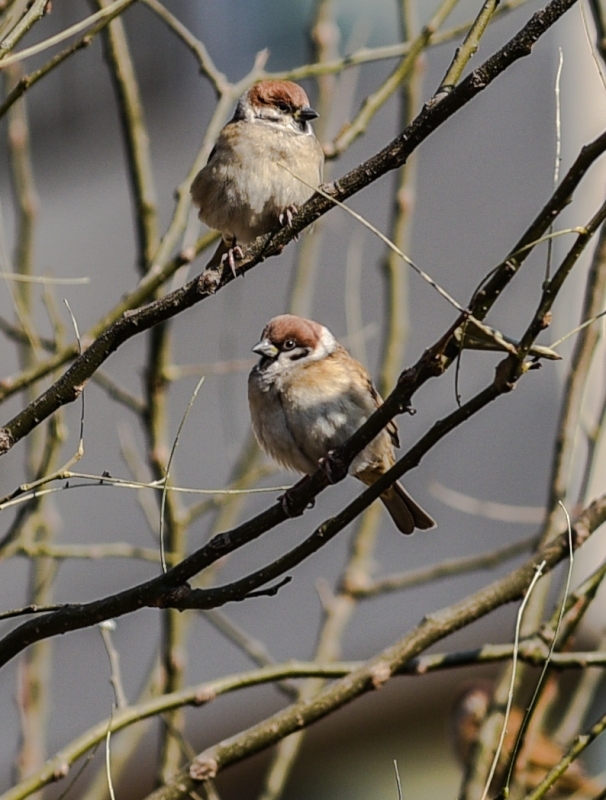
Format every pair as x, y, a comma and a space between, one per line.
243, 189
329, 405
271, 427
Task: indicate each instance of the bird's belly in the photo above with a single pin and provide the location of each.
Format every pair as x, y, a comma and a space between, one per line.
243, 193
329, 423
325, 424
277, 437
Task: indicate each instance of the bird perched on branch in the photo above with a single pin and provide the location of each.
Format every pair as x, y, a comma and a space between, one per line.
307, 396
539, 755
245, 190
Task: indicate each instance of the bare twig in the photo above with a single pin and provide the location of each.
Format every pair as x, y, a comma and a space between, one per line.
377, 99
582, 741
444, 569
29, 80
207, 67
106, 628
469, 47
35, 12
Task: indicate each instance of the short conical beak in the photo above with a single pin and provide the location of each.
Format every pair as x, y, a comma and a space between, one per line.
306, 113
265, 348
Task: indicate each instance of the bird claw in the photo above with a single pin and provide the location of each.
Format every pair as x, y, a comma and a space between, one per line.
286, 216
231, 255
332, 467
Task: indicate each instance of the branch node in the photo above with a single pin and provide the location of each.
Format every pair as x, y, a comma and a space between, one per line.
272, 591
380, 675
173, 597
204, 696
502, 378
546, 320
61, 772
187, 255
6, 441
203, 768
580, 534
209, 281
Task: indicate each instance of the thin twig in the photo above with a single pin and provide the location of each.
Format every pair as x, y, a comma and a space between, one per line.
469, 47
516, 750
443, 569
374, 102
171, 456
35, 12
582, 741
111, 11
207, 67
538, 574
106, 628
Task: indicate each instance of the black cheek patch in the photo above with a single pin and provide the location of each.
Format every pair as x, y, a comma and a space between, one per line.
296, 356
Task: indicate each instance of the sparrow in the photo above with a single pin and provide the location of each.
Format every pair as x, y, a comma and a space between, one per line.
542, 753
307, 396
244, 191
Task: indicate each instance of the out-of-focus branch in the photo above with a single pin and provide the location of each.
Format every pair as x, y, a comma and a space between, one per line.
395, 275
92, 552
34, 12
41, 451
382, 667
377, 99
444, 569
207, 67
582, 357
600, 24
117, 392
21, 336
29, 80
592, 437
580, 744
584, 697
136, 139
173, 624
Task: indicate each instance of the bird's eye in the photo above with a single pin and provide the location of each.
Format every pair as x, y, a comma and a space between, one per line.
289, 344
283, 107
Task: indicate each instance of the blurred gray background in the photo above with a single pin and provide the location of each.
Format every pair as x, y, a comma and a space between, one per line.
481, 178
